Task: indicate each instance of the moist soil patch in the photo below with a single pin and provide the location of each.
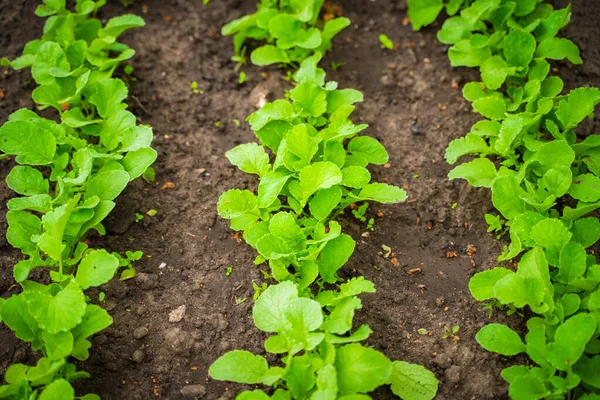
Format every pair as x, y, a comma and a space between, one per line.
420, 254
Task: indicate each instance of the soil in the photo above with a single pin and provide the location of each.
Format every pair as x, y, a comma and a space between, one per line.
413, 104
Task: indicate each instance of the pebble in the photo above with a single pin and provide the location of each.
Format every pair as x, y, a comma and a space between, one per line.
177, 314
140, 333
452, 374
443, 360
138, 356
193, 391
416, 130
440, 301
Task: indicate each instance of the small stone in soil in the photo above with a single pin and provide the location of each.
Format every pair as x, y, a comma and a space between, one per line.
138, 356
452, 374
177, 314
193, 391
416, 130
140, 333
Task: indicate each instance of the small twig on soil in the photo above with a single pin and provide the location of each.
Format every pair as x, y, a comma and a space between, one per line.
141, 106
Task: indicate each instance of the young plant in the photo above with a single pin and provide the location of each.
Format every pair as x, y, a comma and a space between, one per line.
289, 28
318, 169
546, 183
319, 355
68, 175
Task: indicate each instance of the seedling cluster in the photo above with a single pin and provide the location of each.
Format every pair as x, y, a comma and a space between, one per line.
312, 164
544, 183
311, 161
68, 176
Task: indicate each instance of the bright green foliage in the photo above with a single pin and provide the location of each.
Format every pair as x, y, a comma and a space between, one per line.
288, 27
321, 357
318, 168
68, 176
543, 181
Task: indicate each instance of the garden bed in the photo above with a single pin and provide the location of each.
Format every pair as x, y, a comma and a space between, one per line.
438, 238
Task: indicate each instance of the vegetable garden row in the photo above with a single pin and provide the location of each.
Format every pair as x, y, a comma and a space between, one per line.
311, 165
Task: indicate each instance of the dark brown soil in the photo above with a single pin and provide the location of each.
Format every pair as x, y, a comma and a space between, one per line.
188, 247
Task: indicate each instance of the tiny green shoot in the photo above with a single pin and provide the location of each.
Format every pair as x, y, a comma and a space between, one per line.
386, 42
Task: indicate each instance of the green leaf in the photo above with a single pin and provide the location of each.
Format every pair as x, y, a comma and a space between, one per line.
59, 389
468, 144
309, 99
253, 395
318, 176
423, 12
29, 142
528, 387
270, 186
58, 345
324, 202
41, 203
275, 111
108, 97
463, 54
412, 381
572, 263
482, 284
117, 25
337, 99
27, 181
269, 54
15, 315
339, 321
355, 176
250, 158
506, 197
552, 235
301, 144
44, 372
558, 49
54, 223
49, 57
269, 309
334, 255
361, 369
235, 203
557, 181
480, 172
137, 162
491, 107
59, 313
368, 148
587, 368
586, 231
494, 72
519, 47
96, 268
355, 286
118, 125
586, 188
382, 193
570, 340
578, 104
107, 185
239, 366
283, 225
95, 319
138, 138
22, 227
500, 339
